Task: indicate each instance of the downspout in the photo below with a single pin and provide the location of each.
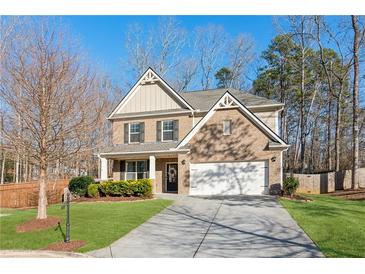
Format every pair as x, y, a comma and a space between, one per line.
192, 114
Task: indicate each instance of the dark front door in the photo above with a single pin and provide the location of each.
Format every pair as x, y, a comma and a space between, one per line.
171, 184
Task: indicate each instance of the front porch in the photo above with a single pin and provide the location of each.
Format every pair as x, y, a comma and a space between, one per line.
162, 169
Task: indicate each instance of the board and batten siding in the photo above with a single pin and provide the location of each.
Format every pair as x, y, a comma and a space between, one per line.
149, 97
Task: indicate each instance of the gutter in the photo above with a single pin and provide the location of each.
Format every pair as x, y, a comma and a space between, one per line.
142, 152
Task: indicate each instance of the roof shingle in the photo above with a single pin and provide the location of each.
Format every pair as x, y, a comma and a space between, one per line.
205, 99
140, 147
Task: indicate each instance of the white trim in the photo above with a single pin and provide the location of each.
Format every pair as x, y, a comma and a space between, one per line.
132, 116
150, 74
281, 168
103, 168
230, 127
281, 105
216, 106
152, 167
277, 123
162, 130
135, 172
166, 177
129, 132
173, 150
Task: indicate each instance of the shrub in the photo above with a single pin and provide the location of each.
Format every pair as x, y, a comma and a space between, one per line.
79, 185
290, 185
93, 191
141, 187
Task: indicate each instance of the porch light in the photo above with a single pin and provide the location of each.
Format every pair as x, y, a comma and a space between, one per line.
273, 159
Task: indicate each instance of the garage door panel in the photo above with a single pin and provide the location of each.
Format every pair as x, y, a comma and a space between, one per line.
228, 178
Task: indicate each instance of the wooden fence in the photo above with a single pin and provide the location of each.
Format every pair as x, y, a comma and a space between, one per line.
23, 195
327, 182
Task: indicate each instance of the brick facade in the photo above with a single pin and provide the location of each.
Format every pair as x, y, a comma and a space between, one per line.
246, 143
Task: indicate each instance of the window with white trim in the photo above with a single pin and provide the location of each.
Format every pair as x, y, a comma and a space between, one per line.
167, 130
134, 132
227, 128
136, 170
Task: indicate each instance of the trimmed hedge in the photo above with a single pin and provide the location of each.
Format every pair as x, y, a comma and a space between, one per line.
290, 185
140, 187
93, 191
79, 185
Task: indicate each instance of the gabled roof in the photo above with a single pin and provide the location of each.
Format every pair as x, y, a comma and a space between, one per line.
150, 76
205, 99
227, 100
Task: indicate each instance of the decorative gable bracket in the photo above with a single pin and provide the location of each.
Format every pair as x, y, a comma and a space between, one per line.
226, 102
149, 78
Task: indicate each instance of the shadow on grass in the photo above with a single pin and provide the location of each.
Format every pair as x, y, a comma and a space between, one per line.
59, 227
326, 206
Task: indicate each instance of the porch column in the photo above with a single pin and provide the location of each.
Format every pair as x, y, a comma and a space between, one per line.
103, 169
152, 167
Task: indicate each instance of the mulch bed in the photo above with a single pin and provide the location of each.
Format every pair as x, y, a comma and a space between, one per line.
38, 224
357, 194
296, 197
110, 199
62, 246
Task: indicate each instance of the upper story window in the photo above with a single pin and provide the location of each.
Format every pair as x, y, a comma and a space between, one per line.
167, 130
134, 132
227, 127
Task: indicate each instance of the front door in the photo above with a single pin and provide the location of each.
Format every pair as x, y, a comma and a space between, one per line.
171, 180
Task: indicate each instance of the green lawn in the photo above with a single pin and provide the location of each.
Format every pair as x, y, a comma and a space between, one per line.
336, 225
99, 224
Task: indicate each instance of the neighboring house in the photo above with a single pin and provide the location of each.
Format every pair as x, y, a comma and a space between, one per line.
211, 142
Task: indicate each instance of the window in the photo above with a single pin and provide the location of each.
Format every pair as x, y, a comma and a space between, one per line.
227, 127
134, 133
167, 130
136, 170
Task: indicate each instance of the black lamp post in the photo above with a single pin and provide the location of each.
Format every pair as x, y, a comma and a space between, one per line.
66, 203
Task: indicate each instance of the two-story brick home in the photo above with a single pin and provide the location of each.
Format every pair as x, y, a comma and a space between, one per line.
210, 142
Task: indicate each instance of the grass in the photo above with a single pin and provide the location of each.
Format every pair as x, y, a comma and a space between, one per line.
99, 224
337, 226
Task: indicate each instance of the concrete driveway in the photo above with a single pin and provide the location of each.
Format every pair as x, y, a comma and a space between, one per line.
239, 226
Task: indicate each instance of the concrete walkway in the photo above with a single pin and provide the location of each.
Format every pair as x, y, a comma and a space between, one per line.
239, 226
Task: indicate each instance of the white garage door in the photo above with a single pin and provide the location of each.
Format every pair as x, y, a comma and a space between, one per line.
229, 178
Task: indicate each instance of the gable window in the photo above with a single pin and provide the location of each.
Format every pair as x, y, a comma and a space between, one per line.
227, 127
134, 132
167, 130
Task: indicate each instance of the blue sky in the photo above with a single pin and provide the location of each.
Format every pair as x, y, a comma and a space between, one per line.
103, 36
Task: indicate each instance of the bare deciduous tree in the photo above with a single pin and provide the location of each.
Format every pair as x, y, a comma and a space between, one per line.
358, 37
46, 85
159, 48
185, 74
301, 30
240, 54
210, 43
336, 74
